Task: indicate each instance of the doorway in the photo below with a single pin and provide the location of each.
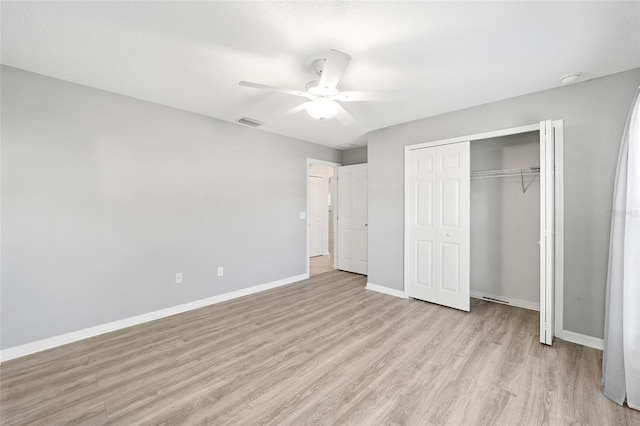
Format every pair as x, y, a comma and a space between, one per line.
321, 216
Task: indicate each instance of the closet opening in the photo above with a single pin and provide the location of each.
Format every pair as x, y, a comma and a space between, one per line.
505, 218
483, 219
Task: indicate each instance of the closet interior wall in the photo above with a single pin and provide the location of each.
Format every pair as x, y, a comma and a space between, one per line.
505, 222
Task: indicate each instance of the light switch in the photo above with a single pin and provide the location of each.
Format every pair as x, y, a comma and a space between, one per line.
303, 215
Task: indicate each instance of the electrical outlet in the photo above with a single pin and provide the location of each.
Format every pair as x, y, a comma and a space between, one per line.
179, 278
303, 215
220, 271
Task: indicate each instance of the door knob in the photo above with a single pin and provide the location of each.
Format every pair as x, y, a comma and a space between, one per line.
448, 234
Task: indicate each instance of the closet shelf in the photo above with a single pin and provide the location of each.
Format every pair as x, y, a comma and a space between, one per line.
521, 173
483, 174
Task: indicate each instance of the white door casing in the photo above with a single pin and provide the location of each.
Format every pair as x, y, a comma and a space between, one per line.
315, 199
438, 225
547, 230
352, 219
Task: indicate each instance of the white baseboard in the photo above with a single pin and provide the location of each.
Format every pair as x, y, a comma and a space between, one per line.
386, 290
63, 339
507, 300
582, 339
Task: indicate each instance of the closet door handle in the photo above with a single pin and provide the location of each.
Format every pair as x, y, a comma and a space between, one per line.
448, 234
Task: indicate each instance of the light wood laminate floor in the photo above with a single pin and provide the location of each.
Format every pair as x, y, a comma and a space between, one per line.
324, 263
324, 351
320, 264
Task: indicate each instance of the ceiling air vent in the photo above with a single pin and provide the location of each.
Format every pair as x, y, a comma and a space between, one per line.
250, 122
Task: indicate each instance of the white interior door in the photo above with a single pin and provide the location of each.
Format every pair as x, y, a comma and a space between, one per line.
315, 216
547, 230
352, 219
437, 250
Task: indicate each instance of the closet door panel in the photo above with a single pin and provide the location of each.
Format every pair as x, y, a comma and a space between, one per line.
450, 256
420, 275
449, 203
424, 205
437, 200
547, 231
453, 233
450, 160
424, 263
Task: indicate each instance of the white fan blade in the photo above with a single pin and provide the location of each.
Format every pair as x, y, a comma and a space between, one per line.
274, 89
334, 67
354, 96
344, 117
294, 110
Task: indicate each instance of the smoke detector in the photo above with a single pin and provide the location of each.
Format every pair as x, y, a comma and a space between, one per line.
571, 78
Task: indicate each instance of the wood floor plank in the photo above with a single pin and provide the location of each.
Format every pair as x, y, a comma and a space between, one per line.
332, 355
84, 414
379, 395
323, 351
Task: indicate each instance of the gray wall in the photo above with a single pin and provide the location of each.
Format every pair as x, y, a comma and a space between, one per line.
354, 156
105, 198
594, 114
505, 223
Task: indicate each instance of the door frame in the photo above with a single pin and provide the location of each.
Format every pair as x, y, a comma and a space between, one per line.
323, 219
558, 291
334, 204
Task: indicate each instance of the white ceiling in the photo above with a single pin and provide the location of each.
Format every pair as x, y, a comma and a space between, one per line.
443, 56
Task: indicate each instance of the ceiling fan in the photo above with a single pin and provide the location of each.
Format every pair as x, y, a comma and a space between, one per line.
323, 95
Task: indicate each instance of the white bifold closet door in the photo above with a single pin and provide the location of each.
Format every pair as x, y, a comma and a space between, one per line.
438, 225
353, 222
547, 231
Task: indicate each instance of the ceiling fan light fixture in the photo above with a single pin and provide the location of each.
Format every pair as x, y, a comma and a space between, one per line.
322, 108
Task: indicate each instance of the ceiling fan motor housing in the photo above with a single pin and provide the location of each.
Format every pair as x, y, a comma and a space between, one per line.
314, 88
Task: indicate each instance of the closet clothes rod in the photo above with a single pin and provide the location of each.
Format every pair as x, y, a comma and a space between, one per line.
530, 171
505, 173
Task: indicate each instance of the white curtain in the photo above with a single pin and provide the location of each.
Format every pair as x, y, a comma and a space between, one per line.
621, 358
